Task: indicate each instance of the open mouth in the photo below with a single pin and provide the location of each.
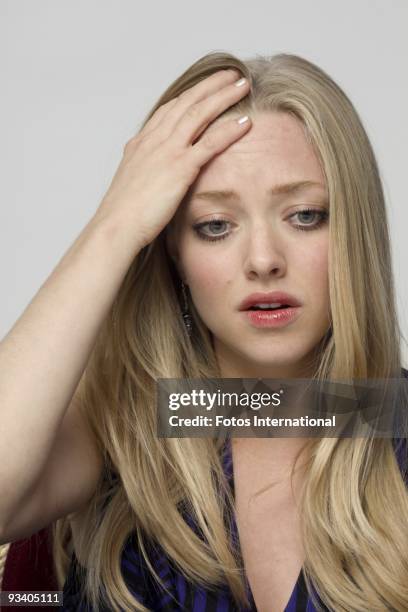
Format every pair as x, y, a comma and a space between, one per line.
268, 308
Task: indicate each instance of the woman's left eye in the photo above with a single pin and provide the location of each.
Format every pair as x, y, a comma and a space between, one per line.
321, 214
216, 227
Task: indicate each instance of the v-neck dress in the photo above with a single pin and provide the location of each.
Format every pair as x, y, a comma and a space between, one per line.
185, 596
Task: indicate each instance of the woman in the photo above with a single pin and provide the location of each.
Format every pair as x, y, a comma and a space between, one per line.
226, 193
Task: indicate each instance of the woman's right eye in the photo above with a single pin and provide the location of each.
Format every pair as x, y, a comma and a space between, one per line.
214, 226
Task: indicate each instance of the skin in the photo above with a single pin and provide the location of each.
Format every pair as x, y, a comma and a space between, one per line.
263, 250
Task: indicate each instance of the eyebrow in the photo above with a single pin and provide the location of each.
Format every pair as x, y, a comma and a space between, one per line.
228, 194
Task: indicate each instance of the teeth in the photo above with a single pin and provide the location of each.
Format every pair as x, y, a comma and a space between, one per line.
266, 306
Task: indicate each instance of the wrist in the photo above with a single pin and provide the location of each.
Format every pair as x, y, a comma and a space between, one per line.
118, 231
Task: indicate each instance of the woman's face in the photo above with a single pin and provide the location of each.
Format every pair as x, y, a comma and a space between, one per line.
250, 242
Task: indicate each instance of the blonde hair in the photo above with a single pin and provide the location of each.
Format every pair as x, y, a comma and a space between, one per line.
354, 509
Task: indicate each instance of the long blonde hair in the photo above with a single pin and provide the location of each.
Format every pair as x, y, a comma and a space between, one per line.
354, 510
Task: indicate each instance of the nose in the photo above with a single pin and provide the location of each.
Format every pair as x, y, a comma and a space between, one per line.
264, 253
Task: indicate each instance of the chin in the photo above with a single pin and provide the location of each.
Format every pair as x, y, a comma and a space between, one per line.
277, 360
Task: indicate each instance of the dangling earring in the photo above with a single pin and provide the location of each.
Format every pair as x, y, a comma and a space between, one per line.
188, 322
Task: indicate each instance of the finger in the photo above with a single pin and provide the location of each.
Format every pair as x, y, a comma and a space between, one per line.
158, 115
218, 139
198, 116
172, 114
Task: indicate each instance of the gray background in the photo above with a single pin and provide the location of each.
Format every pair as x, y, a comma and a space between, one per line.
78, 76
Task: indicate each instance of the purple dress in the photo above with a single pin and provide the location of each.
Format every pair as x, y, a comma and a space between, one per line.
185, 596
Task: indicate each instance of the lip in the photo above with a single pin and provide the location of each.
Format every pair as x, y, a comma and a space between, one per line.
271, 318
277, 297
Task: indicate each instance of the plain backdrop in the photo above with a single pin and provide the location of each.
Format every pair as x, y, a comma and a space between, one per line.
78, 77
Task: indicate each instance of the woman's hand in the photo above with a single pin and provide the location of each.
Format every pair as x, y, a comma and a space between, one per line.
161, 162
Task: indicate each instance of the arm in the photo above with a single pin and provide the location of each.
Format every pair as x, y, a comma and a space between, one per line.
42, 359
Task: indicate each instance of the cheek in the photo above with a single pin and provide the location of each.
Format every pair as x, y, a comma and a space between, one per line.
207, 279
208, 275
313, 277
313, 262
318, 280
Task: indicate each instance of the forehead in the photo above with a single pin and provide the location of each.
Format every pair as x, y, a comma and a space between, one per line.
274, 150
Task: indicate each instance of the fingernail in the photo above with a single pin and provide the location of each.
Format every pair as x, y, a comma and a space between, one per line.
243, 119
240, 82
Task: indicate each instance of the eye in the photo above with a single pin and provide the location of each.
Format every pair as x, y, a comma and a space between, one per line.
216, 228
322, 216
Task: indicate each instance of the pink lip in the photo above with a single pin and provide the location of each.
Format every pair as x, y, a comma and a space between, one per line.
271, 318
277, 297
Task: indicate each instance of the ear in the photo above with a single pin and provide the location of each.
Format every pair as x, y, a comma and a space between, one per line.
172, 250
